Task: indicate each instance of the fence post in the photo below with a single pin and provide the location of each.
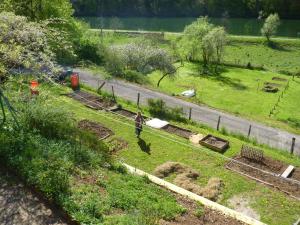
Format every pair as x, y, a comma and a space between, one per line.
190, 114
138, 100
113, 93
249, 131
219, 121
293, 145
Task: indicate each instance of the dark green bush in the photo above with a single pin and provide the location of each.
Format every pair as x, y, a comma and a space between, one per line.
90, 49
50, 122
134, 76
158, 108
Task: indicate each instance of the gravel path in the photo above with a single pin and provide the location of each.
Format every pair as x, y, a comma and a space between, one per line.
18, 206
263, 134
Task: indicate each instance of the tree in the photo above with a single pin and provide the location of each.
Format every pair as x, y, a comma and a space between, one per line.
24, 45
203, 39
270, 26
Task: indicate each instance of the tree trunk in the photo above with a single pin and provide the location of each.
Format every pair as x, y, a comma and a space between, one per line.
158, 83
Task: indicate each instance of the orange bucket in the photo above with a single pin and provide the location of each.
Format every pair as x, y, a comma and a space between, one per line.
34, 87
75, 81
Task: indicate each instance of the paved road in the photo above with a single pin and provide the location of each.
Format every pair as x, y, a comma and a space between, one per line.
263, 134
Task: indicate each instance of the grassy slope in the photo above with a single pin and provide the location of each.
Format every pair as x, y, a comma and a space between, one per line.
274, 207
237, 91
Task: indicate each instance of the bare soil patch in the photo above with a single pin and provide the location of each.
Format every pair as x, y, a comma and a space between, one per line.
181, 132
186, 177
270, 165
279, 79
241, 204
20, 206
92, 101
125, 113
209, 217
96, 128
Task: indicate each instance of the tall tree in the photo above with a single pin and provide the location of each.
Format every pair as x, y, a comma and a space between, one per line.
270, 26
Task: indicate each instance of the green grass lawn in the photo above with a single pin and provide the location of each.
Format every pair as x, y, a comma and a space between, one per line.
274, 207
238, 91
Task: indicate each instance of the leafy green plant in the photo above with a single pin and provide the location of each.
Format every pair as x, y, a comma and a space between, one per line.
158, 108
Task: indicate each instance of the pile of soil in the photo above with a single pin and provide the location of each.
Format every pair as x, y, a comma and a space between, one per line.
96, 128
186, 177
178, 131
269, 165
209, 217
92, 101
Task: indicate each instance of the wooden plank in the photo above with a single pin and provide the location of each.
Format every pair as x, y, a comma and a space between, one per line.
288, 171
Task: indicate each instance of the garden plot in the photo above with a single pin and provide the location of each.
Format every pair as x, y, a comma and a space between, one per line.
181, 132
98, 129
289, 186
215, 143
124, 112
92, 101
199, 215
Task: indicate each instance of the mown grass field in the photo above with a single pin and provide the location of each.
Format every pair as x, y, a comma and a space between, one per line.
238, 90
274, 207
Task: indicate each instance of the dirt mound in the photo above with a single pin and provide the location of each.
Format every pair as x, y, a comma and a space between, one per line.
186, 177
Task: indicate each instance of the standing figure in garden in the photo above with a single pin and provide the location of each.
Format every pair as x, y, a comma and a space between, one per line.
139, 120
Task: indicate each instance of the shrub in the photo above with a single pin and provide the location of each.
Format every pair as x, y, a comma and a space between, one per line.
158, 108
134, 76
53, 123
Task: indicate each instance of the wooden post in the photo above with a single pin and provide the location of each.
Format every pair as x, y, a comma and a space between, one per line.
249, 131
100, 86
113, 93
293, 145
190, 114
219, 121
138, 100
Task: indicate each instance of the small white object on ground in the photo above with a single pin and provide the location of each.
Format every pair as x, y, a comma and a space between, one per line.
189, 93
157, 123
288, 171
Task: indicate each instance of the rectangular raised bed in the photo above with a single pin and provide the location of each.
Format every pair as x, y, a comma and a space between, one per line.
215, 143
181, 132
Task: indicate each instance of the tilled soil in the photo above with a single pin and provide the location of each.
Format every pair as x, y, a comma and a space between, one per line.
20, 206
125, 113
92, 101
209, 217
269, 165
96, 128
178, 131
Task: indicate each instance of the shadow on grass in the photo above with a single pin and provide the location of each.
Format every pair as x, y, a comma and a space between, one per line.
277, 46
217, 76
144, 146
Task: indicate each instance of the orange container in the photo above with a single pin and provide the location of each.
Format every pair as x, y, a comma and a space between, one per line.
34, 87
75, 81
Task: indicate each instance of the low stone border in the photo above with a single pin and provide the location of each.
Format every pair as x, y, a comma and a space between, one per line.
210, 204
